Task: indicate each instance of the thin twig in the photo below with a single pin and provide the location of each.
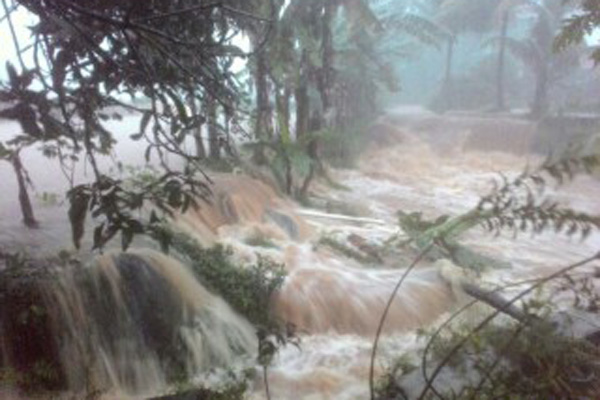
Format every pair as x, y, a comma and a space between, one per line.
266, 380
246, 14
479, 327
385, 313
10, 11
455, 315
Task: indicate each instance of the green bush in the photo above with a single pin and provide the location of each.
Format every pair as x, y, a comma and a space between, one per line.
248, 289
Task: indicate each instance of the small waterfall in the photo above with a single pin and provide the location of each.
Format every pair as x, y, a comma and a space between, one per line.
321, 292
242, 201
130, 324
323, 295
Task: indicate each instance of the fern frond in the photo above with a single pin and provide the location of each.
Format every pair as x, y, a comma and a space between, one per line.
577, 27
361, 17
423, 29
525, 50
519, 205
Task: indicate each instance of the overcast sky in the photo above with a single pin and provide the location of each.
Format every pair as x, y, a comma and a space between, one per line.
22, 19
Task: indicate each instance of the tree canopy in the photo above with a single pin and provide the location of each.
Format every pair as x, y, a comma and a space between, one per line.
315, 68
84, 56
87, 55
579, 25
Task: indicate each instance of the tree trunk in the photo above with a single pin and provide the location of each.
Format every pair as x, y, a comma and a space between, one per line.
227, 116
540, 100
496, 301
283, 109
197, 133
326, 78
199, 142
500, 104
262, 124
303, 194
214, 146
263, 120
24, 201
287, 94
289, 176
448, 85
302, 100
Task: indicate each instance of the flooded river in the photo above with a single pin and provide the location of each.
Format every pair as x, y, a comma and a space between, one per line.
335, 301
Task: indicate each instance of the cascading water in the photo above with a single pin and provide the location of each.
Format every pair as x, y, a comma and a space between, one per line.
131, 320
131, 323
324, 295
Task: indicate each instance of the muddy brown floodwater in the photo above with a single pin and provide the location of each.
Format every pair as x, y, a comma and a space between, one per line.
420, 164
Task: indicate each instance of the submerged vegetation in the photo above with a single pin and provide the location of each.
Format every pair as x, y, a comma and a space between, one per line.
249, 289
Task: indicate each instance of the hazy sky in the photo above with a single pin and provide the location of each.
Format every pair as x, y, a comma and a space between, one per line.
22, 19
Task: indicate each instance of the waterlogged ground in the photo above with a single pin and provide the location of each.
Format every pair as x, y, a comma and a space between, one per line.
336, 301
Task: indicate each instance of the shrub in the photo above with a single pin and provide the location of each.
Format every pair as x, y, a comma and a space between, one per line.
248, 289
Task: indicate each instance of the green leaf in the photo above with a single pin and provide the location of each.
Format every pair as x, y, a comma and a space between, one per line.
5, 153
98, 241
145, 121
12, 75
181, 110
148, 152
126, 238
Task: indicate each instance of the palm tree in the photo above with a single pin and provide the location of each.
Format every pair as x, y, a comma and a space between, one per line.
368, 51
331, 56
502, 15
459, 17
536, 51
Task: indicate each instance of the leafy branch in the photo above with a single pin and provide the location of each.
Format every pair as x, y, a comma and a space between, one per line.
516, 204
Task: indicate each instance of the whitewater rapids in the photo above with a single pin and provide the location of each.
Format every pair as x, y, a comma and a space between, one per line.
333, 300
